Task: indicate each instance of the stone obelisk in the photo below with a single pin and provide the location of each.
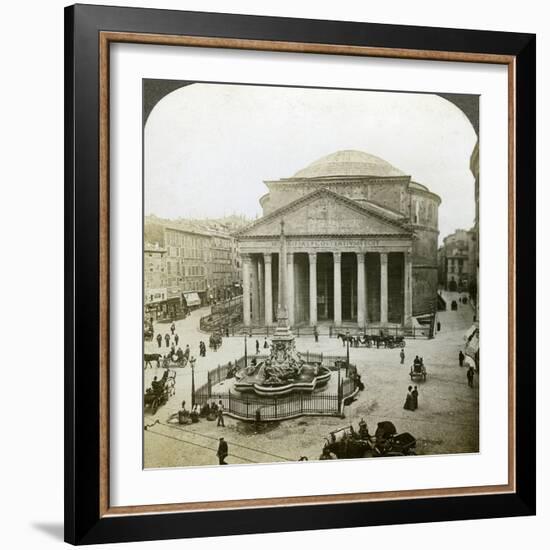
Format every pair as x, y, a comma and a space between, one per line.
282, 333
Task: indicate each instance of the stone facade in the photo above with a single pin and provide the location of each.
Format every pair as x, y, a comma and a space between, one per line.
459, 260
361, 241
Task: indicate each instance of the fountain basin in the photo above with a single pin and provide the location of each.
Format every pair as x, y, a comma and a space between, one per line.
311, 377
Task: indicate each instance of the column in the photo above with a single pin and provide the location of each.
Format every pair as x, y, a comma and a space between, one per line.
290, 288
407, 277
361, 297
337, 256
261, 291
254, 292
383, 288
312, 288
246, 290
268, 298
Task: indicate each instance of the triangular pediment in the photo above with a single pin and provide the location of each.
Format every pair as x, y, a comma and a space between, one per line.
324, 212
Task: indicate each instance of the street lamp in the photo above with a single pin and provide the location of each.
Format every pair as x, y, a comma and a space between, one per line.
347, 351
245, 353
192, 363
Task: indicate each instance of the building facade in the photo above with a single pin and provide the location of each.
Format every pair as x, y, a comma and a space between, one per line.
187, 257
361, 246
154, 281
223, 268
459, 260
202, 266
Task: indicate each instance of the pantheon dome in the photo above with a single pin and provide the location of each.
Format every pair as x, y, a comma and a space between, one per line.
349, 163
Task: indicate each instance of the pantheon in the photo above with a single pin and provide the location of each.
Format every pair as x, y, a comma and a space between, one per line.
361, 241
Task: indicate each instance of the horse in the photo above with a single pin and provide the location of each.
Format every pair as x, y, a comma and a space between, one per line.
345, 338
149, 357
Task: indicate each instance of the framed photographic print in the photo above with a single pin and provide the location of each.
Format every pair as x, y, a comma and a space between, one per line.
299, 274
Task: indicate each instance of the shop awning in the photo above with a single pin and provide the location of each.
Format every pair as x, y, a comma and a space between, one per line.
192, 299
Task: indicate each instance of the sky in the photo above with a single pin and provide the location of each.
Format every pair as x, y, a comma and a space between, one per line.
209, 147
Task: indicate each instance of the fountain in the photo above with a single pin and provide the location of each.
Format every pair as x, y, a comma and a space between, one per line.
284, 371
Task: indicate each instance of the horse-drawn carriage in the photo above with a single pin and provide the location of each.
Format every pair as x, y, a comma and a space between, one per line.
418, 370
348, 443
215, 341
386, 341
160, 391
174, 361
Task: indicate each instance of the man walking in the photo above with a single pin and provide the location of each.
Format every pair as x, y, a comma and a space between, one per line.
460, 358
223, 451
167, 340
172, 327
176, 338
316, 334
220, 414
402, 355
159, 339
257, 347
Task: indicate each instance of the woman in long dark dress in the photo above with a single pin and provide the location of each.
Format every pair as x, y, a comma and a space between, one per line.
409, 400
414, 394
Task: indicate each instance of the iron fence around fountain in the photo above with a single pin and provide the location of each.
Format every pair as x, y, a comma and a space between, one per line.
260, 409
251, 407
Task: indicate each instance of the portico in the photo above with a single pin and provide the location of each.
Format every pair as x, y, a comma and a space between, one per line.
369, 286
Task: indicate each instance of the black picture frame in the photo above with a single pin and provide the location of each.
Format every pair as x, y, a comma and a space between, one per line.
84, 524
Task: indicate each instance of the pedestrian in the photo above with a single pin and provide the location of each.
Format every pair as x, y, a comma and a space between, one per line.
438, 326
257, 347
167, 340
316, 333
470, 377
461, 357
176, 338
192, 361
220, 414
223, 451
227, 331
266, 343
402, 355
409, 400
172, 327
187, 352
414, 394
159, 339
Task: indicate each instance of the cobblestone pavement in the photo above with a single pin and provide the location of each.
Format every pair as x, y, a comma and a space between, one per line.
445, 422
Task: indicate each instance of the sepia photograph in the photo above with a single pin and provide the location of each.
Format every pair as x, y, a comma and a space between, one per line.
310, 274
